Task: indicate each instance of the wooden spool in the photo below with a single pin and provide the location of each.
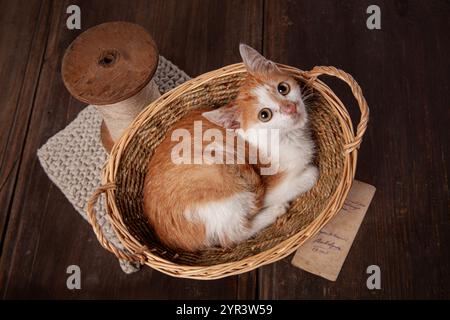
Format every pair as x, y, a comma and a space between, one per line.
109, 63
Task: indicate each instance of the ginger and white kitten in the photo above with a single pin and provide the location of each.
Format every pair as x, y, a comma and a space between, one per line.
196, 206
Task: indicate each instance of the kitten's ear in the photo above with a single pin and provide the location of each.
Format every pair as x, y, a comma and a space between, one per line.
227, 117
255, 62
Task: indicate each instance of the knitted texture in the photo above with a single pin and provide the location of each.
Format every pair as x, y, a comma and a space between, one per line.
74, 157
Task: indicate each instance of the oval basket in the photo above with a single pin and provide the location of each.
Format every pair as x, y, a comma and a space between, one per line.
124, 174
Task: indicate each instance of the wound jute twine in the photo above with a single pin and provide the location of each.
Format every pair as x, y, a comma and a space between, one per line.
118, 116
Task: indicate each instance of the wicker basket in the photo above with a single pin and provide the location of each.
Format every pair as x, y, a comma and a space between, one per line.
124, 175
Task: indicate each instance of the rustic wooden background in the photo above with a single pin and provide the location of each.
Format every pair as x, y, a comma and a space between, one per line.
403, 69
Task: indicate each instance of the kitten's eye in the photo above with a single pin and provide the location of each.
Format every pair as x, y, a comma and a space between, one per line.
265, 115
283, 88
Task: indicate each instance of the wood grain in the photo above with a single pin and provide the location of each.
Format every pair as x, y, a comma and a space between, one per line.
22, 43
45, 234
118, 50
403, 70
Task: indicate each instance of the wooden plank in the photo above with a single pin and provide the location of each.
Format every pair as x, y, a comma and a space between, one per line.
22, 43
45, 234
403, 70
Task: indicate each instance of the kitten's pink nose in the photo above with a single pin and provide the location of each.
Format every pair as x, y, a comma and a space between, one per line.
288, 108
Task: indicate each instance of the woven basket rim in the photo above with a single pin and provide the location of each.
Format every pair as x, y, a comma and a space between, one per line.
135, 251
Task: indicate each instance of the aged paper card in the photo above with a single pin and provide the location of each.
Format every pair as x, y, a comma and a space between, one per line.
325, 253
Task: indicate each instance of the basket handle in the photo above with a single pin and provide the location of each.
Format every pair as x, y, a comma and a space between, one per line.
136, 257
357, 93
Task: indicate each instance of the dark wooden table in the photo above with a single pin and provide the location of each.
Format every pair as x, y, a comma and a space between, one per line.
403, 68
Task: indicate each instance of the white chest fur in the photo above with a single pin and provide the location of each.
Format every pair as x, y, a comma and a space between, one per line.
295, 151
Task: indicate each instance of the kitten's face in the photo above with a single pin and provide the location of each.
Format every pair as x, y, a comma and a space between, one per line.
272, 101
268, 99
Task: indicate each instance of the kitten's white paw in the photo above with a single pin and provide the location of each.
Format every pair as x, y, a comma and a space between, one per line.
279, 210
310, 176
267, 216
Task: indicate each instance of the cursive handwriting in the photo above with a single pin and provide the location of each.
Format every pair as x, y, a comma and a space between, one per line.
329, 244
331, 234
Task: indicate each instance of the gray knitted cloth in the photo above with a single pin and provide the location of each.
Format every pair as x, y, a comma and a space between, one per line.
74, 157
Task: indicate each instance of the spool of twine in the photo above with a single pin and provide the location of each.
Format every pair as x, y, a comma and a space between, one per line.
111, 67
118, 116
